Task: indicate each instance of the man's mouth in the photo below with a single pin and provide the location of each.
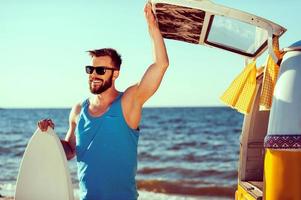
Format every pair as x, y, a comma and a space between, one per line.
96, 82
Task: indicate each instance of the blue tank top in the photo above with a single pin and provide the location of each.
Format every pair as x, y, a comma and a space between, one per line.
106, 149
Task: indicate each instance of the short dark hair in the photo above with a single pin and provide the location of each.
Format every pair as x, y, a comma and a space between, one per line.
112, 53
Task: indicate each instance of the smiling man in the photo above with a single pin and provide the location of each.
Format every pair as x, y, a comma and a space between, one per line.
103, 130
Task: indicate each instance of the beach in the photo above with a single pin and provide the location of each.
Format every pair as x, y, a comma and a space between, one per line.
6, 198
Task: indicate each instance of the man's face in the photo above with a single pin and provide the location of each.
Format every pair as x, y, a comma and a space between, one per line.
100, 83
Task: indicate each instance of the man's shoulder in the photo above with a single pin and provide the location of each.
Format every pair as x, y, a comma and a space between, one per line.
130, 97
131, 91
76, 109
131, 107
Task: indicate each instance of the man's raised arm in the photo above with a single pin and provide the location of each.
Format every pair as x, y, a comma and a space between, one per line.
152, 78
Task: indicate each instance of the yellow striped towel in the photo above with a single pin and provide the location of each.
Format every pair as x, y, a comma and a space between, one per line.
241, 92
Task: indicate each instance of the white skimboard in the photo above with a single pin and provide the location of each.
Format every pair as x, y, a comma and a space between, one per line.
43, 172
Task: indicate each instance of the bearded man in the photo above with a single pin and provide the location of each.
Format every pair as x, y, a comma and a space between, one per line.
103, 130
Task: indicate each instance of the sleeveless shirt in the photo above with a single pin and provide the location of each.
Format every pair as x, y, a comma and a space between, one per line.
106, 149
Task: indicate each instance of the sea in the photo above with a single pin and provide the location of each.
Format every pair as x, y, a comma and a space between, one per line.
187, 153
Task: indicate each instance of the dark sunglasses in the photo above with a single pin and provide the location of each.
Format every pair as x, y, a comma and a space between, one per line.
100, 70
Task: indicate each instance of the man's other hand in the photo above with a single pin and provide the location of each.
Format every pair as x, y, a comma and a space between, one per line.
44, 124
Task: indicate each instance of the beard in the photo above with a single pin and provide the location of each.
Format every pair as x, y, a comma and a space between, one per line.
106, 84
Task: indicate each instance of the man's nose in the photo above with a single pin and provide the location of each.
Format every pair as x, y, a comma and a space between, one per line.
94, 73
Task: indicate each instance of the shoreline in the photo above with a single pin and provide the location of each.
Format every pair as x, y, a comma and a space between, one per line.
144, 195
147, 195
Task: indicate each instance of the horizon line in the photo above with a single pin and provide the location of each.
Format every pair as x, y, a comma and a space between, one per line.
171, 106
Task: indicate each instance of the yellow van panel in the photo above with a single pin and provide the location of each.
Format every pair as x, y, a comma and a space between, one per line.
242, 194
282, 175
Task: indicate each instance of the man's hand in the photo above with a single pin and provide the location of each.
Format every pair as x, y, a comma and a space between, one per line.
44, 124
150, 17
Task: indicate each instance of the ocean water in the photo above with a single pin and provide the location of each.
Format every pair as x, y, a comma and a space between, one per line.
184, 153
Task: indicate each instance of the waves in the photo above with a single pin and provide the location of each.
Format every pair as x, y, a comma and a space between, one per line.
184, 188
189, 173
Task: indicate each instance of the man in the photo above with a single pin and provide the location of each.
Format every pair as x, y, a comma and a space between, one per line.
103, 131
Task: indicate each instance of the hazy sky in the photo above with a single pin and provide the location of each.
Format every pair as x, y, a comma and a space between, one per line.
43, 44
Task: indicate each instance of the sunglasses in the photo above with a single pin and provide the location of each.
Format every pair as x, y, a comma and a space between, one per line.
100, 70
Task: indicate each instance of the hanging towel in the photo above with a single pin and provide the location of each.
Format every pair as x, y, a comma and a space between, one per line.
270, 77
240, 94
269, 80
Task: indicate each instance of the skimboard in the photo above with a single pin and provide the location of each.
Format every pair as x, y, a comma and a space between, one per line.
43, 172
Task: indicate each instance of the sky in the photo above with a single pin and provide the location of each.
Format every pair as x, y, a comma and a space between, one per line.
43, 48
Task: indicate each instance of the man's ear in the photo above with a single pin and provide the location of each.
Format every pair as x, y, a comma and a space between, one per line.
115, 74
